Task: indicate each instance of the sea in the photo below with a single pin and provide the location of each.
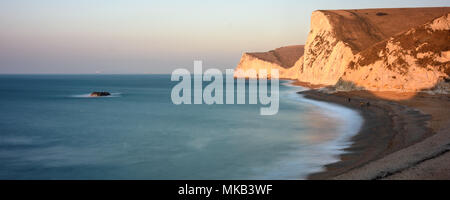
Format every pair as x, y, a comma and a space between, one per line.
51, 129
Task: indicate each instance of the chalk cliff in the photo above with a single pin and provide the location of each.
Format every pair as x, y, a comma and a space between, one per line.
282, 59
397, 49
336, 36
415, 60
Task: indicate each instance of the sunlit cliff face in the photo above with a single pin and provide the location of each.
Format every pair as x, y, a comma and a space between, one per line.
412, 61
407, 58
356, 50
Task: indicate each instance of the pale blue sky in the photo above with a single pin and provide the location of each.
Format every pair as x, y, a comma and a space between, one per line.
137, 36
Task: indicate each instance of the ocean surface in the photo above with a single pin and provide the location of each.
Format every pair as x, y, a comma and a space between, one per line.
51, 129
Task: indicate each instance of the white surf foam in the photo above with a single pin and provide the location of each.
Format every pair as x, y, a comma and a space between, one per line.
348, 124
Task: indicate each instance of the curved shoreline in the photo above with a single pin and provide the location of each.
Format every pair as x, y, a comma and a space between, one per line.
349, 119
390, 129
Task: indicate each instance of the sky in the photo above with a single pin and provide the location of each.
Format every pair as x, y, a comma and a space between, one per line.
144, 36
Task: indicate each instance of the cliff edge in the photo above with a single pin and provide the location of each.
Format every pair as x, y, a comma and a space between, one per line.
395, 49
412, 61
337, 36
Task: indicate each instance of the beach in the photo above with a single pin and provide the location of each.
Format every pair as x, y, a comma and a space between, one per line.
404, 136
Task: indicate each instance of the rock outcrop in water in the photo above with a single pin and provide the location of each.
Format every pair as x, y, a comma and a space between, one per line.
100, 94
399, 49
282, 59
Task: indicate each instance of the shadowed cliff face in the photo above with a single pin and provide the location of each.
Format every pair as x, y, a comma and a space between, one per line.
282, 59
336, 36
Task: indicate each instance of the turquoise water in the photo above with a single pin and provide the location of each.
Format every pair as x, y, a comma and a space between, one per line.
51, 129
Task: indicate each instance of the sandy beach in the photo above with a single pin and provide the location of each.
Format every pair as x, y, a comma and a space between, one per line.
404, 136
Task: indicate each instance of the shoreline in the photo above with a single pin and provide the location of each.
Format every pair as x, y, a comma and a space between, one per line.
391, 128
350, 123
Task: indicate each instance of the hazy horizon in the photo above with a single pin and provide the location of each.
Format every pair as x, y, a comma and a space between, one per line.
140, 37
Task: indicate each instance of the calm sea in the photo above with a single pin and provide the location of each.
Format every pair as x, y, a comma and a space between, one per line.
51, 129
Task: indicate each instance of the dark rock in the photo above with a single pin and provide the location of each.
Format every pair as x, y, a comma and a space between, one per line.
100, 94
